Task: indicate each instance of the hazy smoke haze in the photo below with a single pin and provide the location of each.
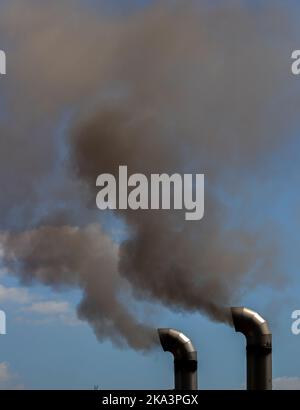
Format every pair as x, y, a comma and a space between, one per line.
174, 87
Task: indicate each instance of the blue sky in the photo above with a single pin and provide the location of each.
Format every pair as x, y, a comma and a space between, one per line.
46, 346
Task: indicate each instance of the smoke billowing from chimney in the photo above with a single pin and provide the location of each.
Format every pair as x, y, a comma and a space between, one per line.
68, 256
170, 88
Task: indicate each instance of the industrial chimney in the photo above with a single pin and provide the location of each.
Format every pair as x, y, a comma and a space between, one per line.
259, 347
185, 358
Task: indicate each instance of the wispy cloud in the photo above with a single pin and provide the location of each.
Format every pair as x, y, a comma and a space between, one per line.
36, 311
8, 380
286, 383
4, 372
46, 312
48, 308
14, 295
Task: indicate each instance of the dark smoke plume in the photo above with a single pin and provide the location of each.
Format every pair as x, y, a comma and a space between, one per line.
69, 256
175, 87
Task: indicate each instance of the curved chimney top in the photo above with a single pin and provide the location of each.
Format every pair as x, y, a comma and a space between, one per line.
177, 343
251, 324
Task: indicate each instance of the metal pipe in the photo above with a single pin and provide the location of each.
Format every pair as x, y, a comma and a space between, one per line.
185, 358
259, 347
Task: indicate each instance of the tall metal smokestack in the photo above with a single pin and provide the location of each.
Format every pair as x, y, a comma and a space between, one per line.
185, 358
259, 347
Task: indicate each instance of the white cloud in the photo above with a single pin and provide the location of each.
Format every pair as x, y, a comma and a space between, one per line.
48, 308
47, 312
9, 380
5, 375
14, 295
41, 311
286, 383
